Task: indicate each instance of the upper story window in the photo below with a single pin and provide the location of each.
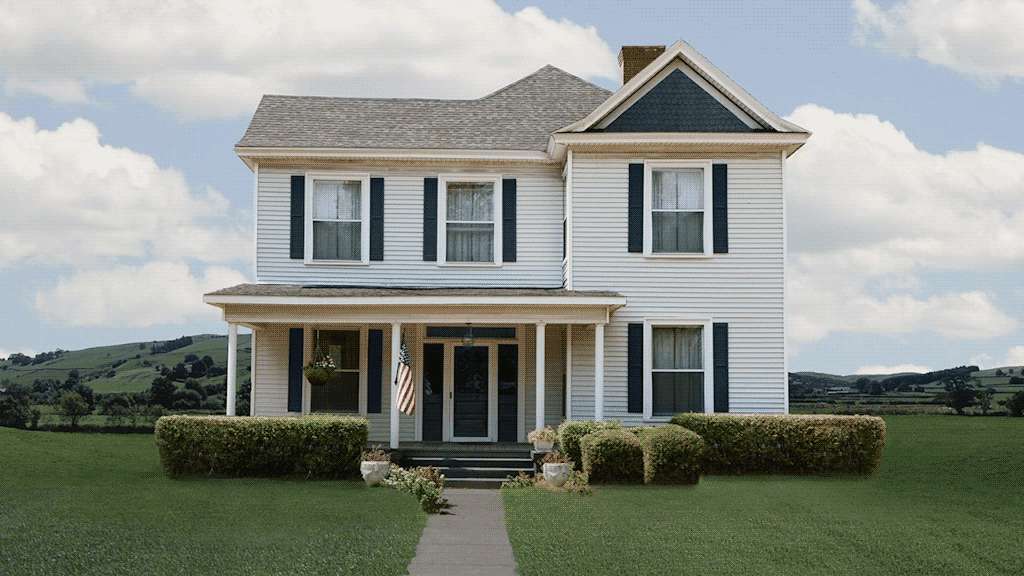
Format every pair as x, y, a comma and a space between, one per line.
471, 211
338, 211
677, 197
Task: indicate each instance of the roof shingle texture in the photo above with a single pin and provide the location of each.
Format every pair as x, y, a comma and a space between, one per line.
373, 292
520, 116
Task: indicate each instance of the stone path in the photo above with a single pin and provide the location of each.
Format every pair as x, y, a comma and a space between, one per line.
469, 540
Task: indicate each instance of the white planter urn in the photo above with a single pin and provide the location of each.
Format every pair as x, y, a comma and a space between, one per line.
542, 446
374, 472
557, 474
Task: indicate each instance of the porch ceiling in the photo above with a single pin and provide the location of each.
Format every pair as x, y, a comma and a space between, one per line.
275, 304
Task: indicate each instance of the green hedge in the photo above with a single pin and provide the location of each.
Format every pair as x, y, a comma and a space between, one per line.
612, 455
787, 443
672, 455
318, 446
570, 432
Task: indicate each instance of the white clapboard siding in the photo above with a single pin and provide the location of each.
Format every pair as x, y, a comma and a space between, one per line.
744, 288
538, 227
270, 388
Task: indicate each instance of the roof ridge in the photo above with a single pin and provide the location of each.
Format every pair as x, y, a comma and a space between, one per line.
537, 72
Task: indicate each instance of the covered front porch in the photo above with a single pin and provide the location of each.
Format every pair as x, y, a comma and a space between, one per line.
487, 365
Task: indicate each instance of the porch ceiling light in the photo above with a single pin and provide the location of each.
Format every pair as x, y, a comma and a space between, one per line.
467, 339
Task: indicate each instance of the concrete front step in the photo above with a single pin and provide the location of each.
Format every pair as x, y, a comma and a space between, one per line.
476, 469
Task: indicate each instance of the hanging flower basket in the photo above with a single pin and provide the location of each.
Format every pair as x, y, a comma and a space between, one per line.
317, 375
319, 369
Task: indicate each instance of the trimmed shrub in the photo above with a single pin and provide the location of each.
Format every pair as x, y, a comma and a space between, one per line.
612, 456
788, 443
672, 455
570, 432
317, 446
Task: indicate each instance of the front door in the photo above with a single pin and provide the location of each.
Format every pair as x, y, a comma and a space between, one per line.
471, 393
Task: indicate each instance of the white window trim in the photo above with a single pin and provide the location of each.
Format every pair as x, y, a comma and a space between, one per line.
649, 167
364, 214
310, 340
709, 366
442, 218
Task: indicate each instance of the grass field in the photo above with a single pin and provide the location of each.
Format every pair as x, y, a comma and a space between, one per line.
99, 504
947, 500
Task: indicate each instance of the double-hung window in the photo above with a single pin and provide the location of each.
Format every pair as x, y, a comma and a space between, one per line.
341, 392
679, 366
338, 207
677, 201
471, 210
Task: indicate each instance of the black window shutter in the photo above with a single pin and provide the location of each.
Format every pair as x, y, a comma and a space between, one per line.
635, 368
376, 218
374, 370
720, 207
508, 220
720, 344
430, 219
295, 345
298, 217
636, 208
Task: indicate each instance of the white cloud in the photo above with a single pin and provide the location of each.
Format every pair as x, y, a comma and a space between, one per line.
892, 369
215, 59
1014, 356
983, 361
58, 90
979, 38
869, 213
134, 296
67, 198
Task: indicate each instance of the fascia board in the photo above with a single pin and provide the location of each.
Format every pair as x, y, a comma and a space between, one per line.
251, 155
789, 141
612, 302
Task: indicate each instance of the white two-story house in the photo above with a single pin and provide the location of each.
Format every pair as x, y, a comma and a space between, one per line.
550, 251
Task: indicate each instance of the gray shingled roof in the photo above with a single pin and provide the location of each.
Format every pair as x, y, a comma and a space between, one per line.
364, 292
520, 116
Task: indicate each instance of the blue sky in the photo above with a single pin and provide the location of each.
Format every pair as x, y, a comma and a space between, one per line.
121, 201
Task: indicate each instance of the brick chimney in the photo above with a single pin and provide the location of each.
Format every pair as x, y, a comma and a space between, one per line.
633, 59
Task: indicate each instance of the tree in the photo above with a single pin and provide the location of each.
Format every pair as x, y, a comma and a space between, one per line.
72, 407
15, 408
1015, 404
985, 400
161, 392
959, 393
875, 388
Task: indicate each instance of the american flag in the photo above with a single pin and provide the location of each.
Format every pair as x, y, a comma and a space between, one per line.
406, 389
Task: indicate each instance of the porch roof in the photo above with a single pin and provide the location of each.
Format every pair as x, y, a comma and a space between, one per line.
279, 303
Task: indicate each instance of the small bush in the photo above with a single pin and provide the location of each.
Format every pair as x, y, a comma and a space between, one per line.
612, 456
556, 457
570, 432
787, 443
672, 455
522, 480
312, 446
423, 483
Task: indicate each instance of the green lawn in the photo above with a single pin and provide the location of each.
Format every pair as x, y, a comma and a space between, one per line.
947, 500
99, 504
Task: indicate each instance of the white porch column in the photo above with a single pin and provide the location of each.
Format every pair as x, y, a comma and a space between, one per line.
232, 366
599, 372
396, 344
539, 370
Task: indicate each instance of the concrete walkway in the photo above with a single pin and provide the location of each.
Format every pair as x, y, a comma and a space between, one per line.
469, 540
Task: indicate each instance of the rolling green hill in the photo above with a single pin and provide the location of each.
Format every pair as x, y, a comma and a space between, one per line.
129, 367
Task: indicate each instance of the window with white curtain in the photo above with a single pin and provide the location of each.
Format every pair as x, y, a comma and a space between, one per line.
337, 216
677, 375
677, 200
472, 220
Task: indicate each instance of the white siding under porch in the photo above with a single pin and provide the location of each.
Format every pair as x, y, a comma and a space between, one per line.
538, 225
744, 288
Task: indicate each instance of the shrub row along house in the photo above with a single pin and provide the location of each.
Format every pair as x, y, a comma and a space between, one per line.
550, 251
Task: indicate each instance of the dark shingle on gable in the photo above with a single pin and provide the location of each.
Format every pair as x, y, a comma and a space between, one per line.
520, 116
677, 104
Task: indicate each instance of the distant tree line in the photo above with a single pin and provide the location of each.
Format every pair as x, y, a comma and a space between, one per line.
170, 345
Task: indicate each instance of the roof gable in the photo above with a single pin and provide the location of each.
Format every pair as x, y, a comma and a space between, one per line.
677, 104
682, 57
